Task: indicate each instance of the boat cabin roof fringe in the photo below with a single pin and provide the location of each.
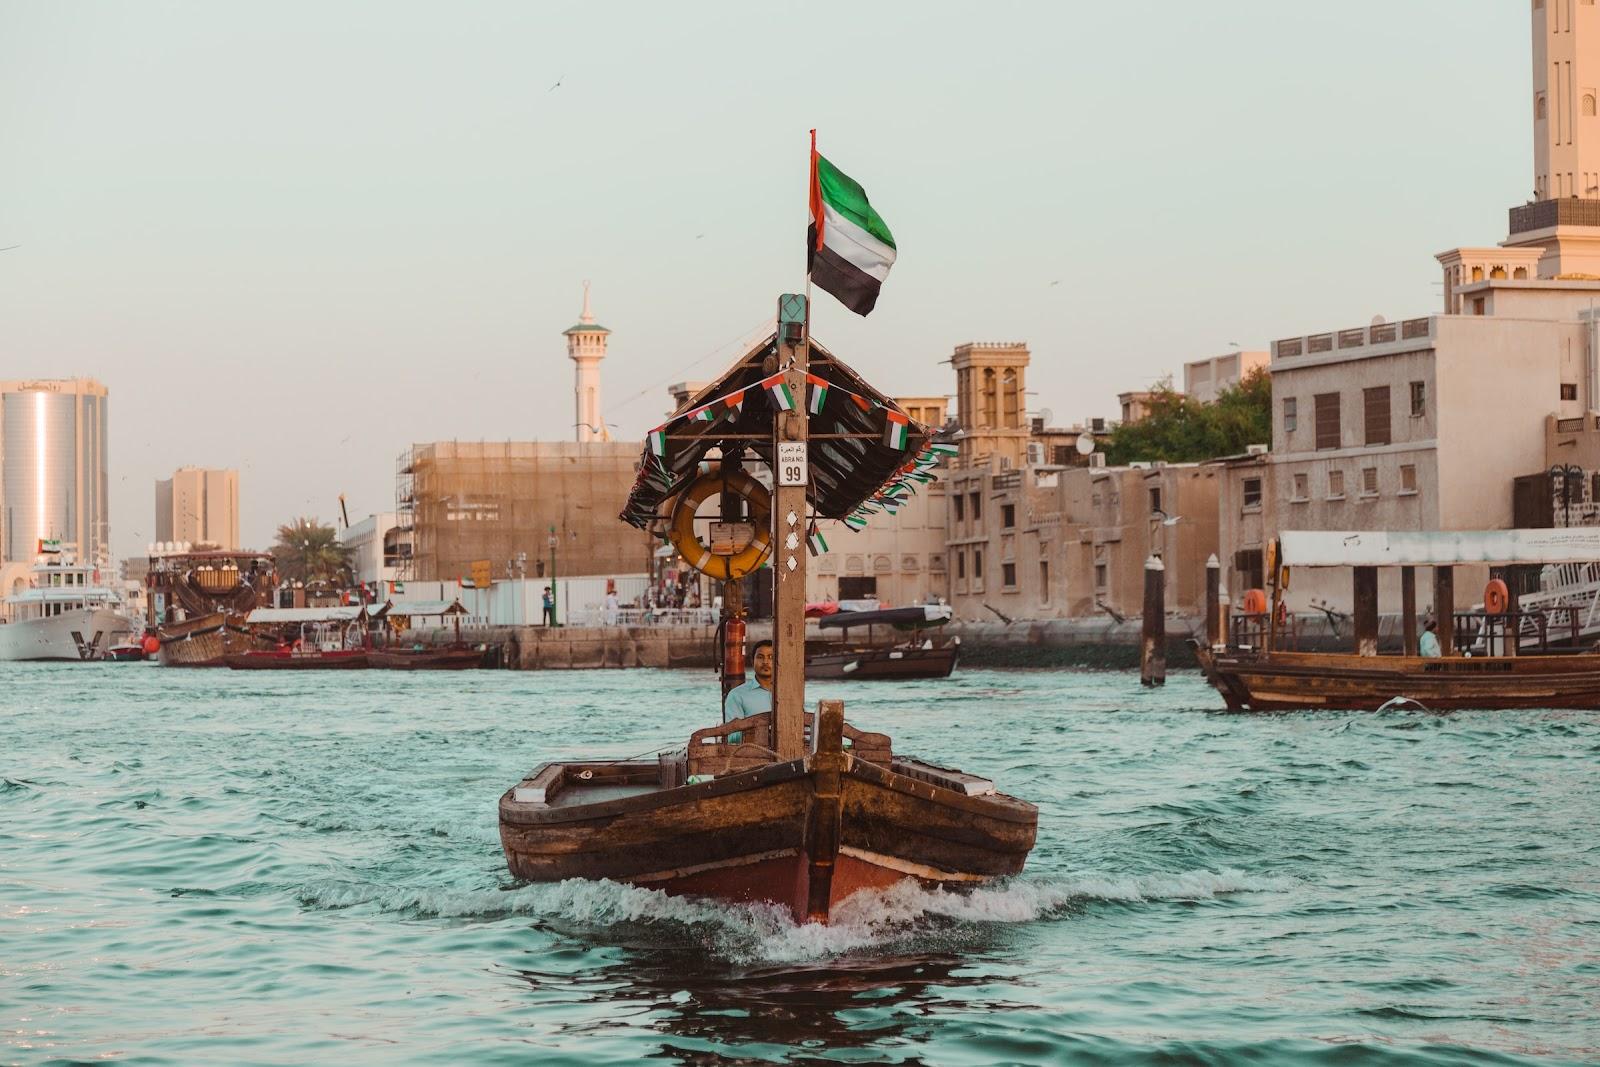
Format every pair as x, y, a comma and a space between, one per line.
844, 471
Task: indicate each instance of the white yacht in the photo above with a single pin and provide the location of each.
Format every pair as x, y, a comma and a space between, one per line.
66, 612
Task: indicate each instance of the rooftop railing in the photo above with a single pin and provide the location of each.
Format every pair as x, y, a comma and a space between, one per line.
1381, 333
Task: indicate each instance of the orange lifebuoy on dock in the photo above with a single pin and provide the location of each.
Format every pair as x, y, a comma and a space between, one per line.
1496, 597
1254, 602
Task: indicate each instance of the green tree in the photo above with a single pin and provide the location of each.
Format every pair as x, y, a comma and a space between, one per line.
1180, 429
307, 551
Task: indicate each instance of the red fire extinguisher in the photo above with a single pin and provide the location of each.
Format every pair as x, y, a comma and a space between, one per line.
733, 647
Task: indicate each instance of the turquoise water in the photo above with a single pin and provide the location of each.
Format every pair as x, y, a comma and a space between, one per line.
209, 867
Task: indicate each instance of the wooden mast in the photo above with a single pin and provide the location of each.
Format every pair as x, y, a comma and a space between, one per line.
789, 534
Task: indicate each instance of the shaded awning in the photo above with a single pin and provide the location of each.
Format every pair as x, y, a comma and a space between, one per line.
913, 618
1357, 548
339, 613
844, 471
428, 607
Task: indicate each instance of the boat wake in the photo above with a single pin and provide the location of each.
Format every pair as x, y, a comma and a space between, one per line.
885, 919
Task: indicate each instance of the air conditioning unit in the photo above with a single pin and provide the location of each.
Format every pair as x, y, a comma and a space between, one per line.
1097, 459
1035, 454
1257, 450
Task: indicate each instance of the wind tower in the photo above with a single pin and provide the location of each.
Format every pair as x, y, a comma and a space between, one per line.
586, 347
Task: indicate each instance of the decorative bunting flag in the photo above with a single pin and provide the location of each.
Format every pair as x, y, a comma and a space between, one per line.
778, 389
733, 404
855, 522
658, 442
944, 450
862, 402
894, 430
816, 542
819, 393
703, 414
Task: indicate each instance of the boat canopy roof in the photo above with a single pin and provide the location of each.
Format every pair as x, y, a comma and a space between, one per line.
844, 471
1379, 548
428, 607
340, 613
912, 618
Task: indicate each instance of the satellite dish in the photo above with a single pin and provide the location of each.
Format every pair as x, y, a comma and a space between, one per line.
1046, 416
1378, 320
1085, 444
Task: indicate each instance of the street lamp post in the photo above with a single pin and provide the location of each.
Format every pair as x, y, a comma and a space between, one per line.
554, 621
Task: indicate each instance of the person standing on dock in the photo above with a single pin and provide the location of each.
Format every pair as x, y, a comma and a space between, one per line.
549, 602
754, 696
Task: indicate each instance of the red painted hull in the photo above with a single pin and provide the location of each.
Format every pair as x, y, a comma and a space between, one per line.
354, 659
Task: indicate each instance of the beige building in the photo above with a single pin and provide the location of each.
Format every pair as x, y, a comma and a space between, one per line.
504, 501
991, 401
1205, 379
53, 479
200, 506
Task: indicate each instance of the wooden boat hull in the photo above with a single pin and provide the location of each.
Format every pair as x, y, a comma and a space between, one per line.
204, 641
1300, 681
433, 659
883, 663
805, 834
297, 661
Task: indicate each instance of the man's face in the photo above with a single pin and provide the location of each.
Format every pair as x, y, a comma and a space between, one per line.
762, 664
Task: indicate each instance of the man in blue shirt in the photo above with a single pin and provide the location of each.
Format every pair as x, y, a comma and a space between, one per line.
755, 695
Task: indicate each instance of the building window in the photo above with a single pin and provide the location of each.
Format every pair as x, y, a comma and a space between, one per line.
1369, 481
1008, 515
1155, 500
1008, 575
1252, 492
1408, 478
1477, 305
1336, 485
1569, 390
858, 588
1099, 575
1063, 456
961, 507
1375, 412
977, 563
1302, 487
1588, 105
1044, 581
977, 506
1327, 412
1291, 414
1419, 399
961, 563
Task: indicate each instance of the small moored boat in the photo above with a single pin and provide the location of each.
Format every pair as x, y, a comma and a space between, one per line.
921, 656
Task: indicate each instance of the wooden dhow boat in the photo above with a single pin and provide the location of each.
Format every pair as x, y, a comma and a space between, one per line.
777, 806
198, 600
304, 639
1485, 662
394, 653
919, 656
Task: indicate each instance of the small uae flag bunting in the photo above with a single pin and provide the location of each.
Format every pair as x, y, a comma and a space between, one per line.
778, 389
855, 522
819, 394
658, 442
704, 414
943, 449
894, 430
863, 402
733, 404
815, 541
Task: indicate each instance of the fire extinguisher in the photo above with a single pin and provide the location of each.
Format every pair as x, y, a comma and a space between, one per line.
733, 631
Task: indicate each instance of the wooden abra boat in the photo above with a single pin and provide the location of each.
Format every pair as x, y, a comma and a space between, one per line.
425, 659
766, 808
1482, 662
298, 659
925, 657
802, 833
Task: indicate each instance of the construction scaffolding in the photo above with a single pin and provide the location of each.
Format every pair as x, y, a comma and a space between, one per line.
529, 508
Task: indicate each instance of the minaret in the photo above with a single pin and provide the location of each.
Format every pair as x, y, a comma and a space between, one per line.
586, 347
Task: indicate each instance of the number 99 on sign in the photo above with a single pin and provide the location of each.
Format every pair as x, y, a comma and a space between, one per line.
792, 463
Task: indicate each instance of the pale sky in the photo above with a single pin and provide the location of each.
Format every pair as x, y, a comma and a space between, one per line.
293, 238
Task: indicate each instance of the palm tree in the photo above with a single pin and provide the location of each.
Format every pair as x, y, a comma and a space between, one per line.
307, 551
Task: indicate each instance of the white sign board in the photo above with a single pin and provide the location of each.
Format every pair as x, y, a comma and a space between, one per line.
792, 463
1364, 548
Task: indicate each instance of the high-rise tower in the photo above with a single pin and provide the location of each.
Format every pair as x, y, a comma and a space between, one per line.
53, 484
1563, 216
586, 347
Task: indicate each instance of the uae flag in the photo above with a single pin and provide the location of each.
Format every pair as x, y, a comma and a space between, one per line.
733, 404
894, 429
819, 393
849, 248
704, 414
782, 397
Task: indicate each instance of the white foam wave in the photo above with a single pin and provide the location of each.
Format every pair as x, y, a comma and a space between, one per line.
766, 932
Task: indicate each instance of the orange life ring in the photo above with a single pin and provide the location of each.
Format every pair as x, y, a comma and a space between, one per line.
694, 551
1254, 602
1496, 597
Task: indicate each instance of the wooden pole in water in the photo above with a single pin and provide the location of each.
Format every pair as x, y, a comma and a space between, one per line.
1444, 607
1153, 649
791, 474
1408, 609
1366, 610
1213, 601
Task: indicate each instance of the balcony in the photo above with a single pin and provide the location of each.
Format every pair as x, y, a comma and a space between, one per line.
1543, 214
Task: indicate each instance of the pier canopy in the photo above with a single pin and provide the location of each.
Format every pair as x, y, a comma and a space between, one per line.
339, 613
1380, 548
849, 454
